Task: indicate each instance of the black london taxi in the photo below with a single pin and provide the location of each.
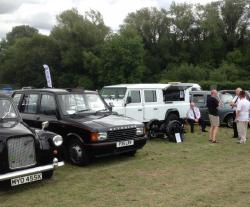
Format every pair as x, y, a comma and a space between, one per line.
88, 127
26, 155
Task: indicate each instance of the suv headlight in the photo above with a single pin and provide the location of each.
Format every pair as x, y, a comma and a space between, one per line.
99, 136
57, 140
102, 136
139, 131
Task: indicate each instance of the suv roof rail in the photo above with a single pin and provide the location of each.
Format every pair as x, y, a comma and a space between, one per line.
75, 89
27, 87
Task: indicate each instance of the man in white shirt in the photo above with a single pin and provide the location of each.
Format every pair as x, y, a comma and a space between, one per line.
242, 116
234, 106
194, 116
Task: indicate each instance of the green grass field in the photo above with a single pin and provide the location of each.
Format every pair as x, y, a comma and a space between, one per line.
193, 173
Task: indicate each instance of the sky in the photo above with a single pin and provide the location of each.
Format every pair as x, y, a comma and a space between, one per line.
41, 14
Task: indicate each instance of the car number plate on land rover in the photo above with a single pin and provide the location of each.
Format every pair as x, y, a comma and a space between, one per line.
125, 143
26, 179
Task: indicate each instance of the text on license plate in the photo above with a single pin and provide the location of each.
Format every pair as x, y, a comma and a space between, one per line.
26, 179
125, 143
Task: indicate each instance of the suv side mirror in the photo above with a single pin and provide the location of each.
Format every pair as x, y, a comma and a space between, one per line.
129, 100
45, 125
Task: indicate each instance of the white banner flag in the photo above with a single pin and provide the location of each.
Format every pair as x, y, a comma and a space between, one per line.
48, 76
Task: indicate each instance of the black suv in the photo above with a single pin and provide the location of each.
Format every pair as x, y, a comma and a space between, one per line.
26, 155
83, 119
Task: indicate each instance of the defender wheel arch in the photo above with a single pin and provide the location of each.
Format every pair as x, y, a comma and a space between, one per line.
172, 111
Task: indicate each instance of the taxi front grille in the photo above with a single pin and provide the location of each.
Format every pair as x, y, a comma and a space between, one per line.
21, 152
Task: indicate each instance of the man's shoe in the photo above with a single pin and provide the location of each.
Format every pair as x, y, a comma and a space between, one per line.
204, 130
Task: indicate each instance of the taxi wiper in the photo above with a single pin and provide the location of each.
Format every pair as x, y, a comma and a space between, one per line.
101, 110
80, 111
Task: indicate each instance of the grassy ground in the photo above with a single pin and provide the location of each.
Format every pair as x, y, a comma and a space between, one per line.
194, 173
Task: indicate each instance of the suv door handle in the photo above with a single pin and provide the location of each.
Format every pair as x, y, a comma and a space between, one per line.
155, 109
139, 109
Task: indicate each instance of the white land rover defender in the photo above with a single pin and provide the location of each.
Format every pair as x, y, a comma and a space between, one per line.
153, 104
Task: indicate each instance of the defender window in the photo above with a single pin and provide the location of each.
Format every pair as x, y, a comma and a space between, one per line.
16, 98
48, 105
150, 96
134, 96
29, 104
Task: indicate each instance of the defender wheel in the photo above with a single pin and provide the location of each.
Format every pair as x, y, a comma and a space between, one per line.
229, 121
77, 153
173, 128
48, 174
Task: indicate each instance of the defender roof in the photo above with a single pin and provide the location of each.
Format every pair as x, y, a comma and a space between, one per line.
163, 86
140, 86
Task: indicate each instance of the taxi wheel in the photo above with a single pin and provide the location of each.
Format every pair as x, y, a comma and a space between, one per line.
77, 154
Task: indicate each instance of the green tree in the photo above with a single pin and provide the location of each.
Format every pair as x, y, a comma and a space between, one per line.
23, 62
122, 58
20, 32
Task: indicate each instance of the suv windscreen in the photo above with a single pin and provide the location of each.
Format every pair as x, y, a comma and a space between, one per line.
78, 103
226, 97
113, 93
7, 110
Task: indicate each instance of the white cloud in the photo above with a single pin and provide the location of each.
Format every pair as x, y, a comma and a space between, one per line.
42, 13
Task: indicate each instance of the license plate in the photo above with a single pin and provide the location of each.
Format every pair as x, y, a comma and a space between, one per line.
26, 179
125, 143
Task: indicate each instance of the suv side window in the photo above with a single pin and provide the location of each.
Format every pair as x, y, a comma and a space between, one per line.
199, 99
16, 98
134, 96
29, 104
150, 96
48, 104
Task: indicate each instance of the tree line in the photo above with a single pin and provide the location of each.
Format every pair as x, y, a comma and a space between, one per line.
189, 43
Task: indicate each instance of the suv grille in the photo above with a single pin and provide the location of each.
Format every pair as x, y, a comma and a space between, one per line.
21, 152
123, 134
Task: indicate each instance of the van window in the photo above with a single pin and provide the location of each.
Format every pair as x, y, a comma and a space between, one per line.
150, 96
29, 103
135, 96
48, 105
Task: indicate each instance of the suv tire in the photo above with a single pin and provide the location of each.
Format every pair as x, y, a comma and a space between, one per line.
229, 121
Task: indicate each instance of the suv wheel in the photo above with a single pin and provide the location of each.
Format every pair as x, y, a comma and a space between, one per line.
153, 130
229, 121
77, 153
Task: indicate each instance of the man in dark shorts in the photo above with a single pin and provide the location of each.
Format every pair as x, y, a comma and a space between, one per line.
212, 105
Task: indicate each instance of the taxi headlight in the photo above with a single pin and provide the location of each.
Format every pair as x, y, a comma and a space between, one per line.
57, 140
